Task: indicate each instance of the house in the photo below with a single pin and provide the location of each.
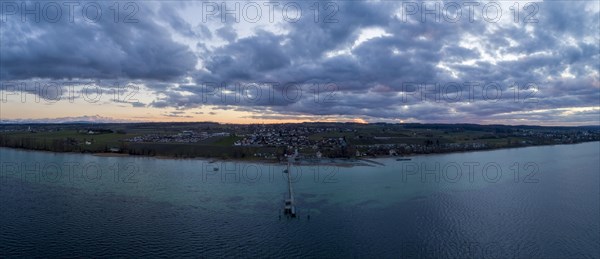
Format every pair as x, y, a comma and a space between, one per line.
221, 134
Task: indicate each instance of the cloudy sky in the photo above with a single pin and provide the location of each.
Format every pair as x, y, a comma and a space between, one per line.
285, 61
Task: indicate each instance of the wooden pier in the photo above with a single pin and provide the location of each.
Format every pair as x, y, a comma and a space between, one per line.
289, 205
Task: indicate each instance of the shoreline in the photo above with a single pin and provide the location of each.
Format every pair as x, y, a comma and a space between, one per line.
341, 162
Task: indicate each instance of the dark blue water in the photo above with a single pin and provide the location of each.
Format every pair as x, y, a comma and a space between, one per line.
537, 202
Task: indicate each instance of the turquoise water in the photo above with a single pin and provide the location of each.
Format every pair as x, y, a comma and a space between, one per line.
527, 202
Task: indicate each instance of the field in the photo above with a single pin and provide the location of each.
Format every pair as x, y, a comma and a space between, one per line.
372, 139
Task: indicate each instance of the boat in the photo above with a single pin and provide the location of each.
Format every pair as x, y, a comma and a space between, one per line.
404, 159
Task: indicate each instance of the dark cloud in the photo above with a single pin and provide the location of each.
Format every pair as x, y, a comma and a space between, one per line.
369, 77
227, 33
82, 49
169, 13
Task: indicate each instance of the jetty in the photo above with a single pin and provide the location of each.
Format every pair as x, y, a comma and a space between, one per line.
372, 161
289, 208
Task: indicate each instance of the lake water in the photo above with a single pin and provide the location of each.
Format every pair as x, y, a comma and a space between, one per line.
534, 202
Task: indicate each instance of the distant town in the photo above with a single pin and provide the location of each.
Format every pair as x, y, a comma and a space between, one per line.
276, 142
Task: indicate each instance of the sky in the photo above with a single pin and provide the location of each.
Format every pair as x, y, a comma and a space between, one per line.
517, 62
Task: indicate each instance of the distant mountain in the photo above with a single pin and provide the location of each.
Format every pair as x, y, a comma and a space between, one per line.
70, 120
80, 122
